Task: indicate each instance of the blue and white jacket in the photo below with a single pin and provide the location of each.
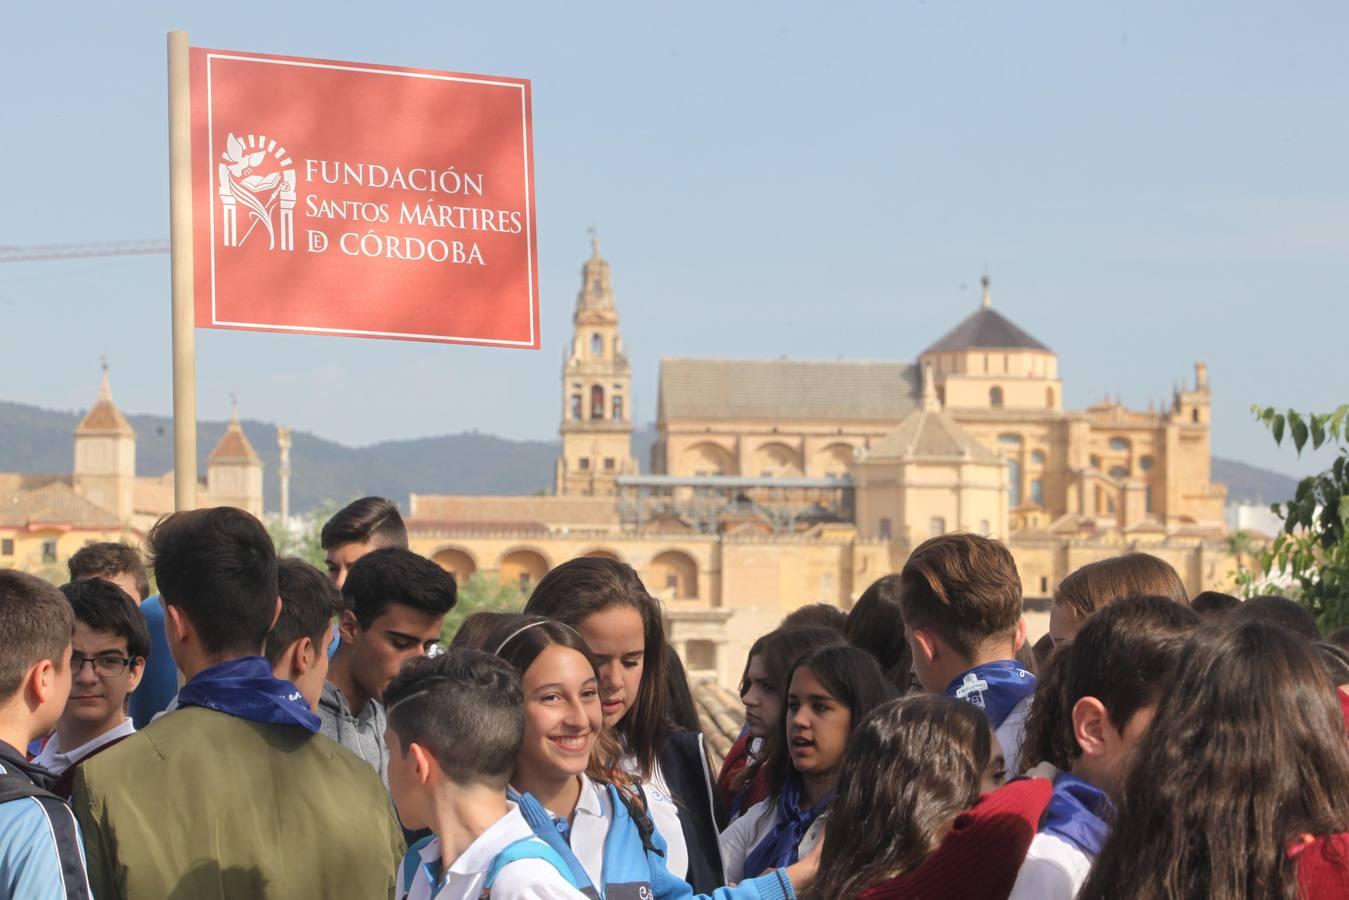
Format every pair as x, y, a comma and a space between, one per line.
611, 861
41, 851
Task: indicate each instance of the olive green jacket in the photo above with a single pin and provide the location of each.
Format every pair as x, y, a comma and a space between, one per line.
202, 805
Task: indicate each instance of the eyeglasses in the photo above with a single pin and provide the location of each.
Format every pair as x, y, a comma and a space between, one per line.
104, 666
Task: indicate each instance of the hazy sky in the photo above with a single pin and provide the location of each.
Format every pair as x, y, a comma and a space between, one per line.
1148, 183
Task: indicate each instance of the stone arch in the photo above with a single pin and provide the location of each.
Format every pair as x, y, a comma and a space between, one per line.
603, 553
833, 460
523, 567
776, 459
674, 575
457, 561
707, 458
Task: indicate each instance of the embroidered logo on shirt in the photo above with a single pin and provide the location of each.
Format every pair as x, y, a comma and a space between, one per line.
972, 690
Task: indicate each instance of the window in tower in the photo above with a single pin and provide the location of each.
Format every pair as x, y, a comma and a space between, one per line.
597, 286
597, 402
995, 397
609, 464
585, 462
618, 408
576, 406
596, 345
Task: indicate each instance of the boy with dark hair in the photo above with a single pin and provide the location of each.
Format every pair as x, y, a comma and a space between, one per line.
297, 645
456, 723
40, 854
816, 615
961, 603
397, 602
107, 658
254, 812
112, 561
369, 523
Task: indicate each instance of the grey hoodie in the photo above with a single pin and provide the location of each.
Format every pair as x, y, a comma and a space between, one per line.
361, 734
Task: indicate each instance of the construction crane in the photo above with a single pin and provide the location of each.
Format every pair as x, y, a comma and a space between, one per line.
38, 252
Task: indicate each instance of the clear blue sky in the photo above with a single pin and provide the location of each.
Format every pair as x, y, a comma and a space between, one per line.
1149, 183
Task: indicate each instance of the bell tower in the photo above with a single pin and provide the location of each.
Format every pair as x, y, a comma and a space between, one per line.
596, 390
105, 455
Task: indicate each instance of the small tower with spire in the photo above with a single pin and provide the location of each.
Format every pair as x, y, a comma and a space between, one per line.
105, 455
234, 469
596, 390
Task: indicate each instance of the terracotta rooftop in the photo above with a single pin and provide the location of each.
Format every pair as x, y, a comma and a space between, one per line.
721, 714
234, 446
104, 416
787, 389
53, 504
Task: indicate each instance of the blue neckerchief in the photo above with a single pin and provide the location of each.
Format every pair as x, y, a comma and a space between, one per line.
778, 848
1076, 813
246, 688
995, 687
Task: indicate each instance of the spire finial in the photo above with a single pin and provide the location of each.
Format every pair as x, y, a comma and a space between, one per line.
987, 301
594, 242
234, 410
931, 402
105, 386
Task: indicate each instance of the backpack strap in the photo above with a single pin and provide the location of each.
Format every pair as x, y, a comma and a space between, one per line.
637, 811
526, 848
15, 786
407, 872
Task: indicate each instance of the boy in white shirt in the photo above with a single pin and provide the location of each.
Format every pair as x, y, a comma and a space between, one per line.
109, 648
456, 723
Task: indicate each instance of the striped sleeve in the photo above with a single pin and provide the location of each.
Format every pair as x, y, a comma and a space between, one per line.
41, 855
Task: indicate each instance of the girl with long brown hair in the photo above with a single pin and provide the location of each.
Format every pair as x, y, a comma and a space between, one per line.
1240, 788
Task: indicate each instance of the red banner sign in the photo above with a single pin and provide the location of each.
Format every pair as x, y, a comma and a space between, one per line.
363, 201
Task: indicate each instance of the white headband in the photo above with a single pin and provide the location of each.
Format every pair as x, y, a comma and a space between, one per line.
523, 628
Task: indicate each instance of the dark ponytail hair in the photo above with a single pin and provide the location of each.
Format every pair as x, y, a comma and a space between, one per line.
876, 625
1124, 656
851, 676
578, 589
912, 766
1245, 754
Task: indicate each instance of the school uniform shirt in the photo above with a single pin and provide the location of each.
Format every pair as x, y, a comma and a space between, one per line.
746, 832
56, 760
41, 852
524, 879
664, 815
1054, 870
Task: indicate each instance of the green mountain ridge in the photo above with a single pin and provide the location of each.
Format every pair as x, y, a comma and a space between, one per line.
37, 440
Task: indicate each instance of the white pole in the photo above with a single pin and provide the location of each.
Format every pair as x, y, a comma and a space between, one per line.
180, 233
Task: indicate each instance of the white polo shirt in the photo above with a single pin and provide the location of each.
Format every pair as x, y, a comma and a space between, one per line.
55, 760
524, 879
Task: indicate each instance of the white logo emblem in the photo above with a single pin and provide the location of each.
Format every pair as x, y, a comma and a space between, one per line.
257, 174
972, 689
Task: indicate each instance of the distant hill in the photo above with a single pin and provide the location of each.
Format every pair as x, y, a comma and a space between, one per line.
1247, 484
40, 440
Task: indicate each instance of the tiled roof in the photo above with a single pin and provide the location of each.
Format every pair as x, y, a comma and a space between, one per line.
787, 389
721, 714
233, 448
930, 434
105, 417
986, 329
53, 504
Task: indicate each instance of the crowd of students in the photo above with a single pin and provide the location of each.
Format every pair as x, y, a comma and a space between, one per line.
259, 728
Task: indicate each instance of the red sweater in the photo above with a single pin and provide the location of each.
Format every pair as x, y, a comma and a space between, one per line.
1323, 867
980, 858
728, 782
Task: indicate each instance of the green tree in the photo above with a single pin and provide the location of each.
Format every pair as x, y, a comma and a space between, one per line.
303, 542
481, 593
1312, 550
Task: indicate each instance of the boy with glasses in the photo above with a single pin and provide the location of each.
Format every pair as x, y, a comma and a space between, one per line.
109, 648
